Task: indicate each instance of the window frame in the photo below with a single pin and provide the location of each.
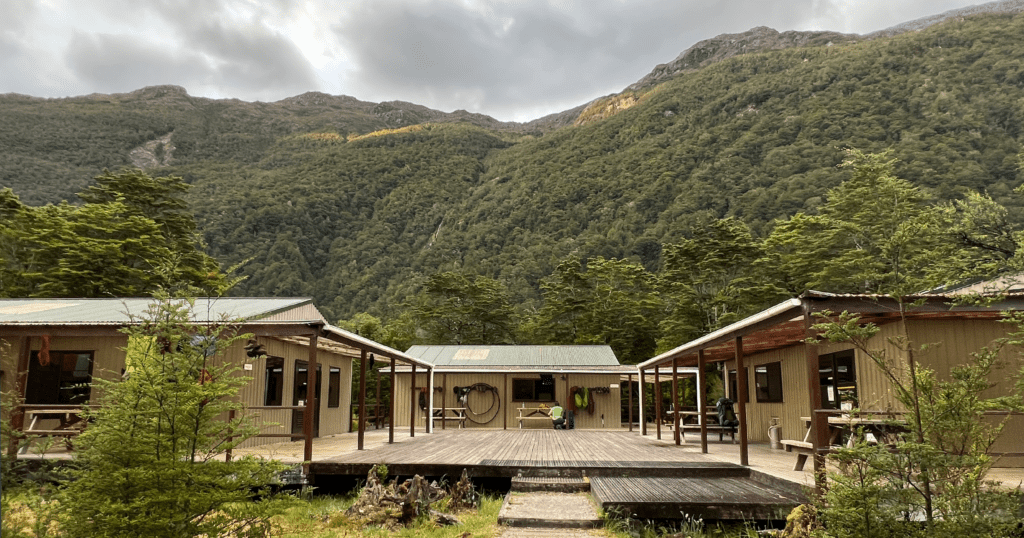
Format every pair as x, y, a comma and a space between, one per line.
772, 389
333, 387
535, 392
277, 375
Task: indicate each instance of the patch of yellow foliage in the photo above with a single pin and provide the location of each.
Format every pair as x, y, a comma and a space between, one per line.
384, 132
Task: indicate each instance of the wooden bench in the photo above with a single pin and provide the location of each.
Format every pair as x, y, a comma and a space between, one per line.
803, 449
722, 430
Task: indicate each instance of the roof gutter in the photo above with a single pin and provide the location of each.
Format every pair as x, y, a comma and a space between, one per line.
354, 340
783, 311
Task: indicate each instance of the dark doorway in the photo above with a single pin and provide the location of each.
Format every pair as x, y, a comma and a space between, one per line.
838, 379
64, 378
299, 392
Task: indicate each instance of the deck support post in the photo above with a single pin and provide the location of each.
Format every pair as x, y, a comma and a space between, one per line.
362, 399
629, 391
504, 418
640, 388
657, 400
21, 379
702, 401
444, 395
741, 388
391, 404
430, 401
311, 403
412, 403
376, 405
675, 401
819, 421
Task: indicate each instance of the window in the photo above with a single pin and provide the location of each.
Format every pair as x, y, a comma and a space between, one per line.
64, 379
768, 382
334, 387
274, 386
838, 379
533, 390
734, 390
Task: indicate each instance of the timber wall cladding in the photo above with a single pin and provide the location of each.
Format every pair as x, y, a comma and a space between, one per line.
508, 415
333, 420
796, 401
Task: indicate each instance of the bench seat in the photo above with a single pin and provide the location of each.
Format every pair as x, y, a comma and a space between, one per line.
803, 448
722, 430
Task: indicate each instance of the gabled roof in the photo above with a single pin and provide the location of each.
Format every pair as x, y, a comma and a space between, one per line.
123, 311
475, 357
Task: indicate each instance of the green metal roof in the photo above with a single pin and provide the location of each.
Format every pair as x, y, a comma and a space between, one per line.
521, 356
121, 311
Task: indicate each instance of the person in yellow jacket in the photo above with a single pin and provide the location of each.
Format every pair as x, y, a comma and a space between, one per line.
557, 417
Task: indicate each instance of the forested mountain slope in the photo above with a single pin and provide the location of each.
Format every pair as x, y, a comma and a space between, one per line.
353, 220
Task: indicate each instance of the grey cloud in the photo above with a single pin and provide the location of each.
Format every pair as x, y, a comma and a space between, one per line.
253, 63
449, 52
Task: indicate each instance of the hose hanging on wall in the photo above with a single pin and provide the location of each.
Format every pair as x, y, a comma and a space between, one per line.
462, 393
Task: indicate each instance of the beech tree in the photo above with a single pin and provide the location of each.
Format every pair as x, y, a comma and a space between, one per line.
875, 232
455, 308
613, 302
133, 236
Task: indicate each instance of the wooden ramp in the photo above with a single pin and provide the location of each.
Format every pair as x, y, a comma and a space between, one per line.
717, 498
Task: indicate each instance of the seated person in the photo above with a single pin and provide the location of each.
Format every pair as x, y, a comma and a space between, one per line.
557, 417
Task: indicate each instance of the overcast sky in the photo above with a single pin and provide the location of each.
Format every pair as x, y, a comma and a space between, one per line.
511, 59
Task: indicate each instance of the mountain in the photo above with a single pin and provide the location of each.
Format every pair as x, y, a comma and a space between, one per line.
354, 202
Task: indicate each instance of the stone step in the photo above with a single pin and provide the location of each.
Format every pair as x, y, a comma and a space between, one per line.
549, 510
563, 484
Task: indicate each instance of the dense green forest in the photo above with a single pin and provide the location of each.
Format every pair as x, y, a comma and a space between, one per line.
314, 207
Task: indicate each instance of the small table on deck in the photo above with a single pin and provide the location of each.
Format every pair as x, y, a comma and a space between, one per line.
68, 419
458, 414
534, 413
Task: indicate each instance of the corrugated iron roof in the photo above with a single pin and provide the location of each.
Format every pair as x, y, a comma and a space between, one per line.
121, 311
525, 356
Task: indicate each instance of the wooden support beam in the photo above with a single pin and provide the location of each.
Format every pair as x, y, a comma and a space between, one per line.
641, 386
504, 418
311, 402
391, 404
444, 396
412, 403
702, 401
429, 416
657, 401
675, 400
362, 399
742, 401
376, 405
819, 422
629, 390
21, 383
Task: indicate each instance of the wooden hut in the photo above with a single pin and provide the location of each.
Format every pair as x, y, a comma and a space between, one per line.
775, 376
508, 386
84, 341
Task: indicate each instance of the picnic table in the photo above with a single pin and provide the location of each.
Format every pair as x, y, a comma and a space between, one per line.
879, 428
533, 413
458, 414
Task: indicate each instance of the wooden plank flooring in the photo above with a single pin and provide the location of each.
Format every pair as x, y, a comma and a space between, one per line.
740, 498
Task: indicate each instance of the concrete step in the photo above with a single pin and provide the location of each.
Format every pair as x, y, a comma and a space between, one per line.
549, 510
562, 484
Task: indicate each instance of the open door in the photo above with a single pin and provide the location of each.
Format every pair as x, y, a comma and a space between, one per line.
299, 392
64, 379
838, 379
